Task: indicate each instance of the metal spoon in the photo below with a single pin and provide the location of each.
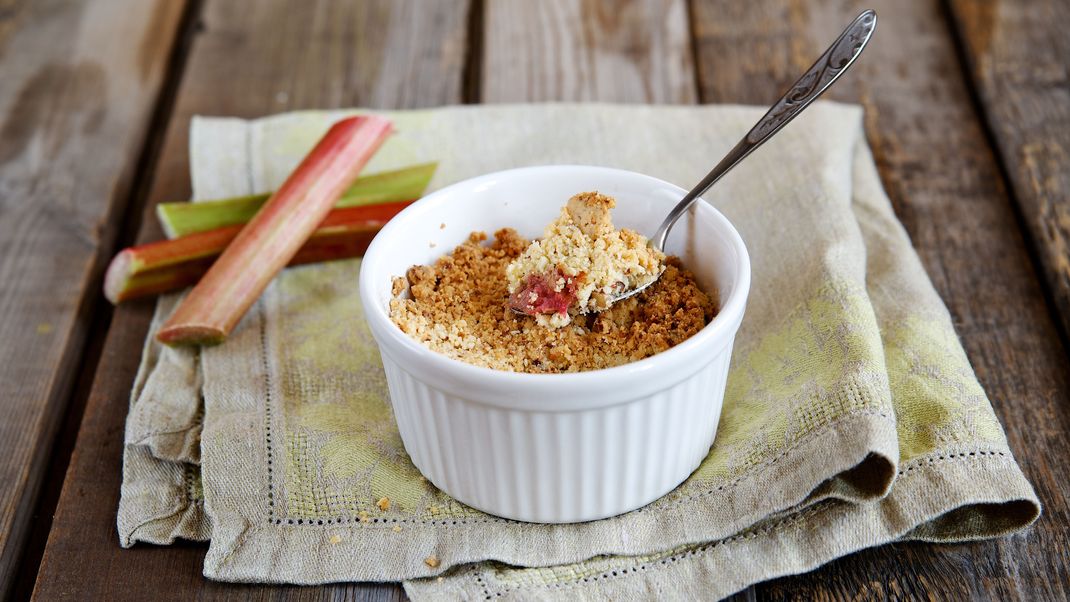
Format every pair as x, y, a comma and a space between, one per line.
818, 78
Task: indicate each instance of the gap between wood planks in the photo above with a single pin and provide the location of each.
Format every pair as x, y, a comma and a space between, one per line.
131, 212
472, 76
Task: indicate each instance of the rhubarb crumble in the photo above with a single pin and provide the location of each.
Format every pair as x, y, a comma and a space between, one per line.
460, 307
580, 264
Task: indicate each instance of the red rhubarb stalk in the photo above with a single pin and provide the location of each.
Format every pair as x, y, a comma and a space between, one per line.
271, 239
169, 265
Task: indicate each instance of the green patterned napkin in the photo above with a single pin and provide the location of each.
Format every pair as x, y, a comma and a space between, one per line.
852, 417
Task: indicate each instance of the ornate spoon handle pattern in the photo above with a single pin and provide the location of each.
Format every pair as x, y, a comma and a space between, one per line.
818, 78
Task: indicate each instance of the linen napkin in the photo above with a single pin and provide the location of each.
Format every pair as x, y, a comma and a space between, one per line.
852, 416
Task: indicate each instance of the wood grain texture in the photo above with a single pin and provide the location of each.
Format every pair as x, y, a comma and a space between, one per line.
1018, 53
247, 59
254, 59
586, 50
946, 186
75, 105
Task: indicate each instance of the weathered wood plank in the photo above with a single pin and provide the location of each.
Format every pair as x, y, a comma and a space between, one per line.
907, 176
80, 81
946, 186
247, 59
577, 50
1018, 54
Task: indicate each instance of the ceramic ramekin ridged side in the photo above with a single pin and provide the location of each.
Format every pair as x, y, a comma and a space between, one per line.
559, 466
556, 447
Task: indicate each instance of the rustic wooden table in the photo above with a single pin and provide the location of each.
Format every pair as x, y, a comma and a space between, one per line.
968, 112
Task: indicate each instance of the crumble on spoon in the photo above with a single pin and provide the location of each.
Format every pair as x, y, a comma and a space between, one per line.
581, 263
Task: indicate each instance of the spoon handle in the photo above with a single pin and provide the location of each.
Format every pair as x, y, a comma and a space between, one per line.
818, 78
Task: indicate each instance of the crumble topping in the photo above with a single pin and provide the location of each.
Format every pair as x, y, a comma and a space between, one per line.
458, 307
580, 263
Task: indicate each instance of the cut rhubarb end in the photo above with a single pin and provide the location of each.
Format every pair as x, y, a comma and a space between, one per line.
190, 335
542, 294
118, 275
274, 236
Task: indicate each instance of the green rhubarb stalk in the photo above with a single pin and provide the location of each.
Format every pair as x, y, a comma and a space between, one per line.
168, 265
275, 234
181, 219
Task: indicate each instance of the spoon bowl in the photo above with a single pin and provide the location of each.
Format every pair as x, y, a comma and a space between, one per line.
635, 291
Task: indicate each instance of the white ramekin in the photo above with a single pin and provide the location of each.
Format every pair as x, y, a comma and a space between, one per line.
556, 447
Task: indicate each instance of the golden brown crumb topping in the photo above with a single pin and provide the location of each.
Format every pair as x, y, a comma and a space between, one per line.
458, 307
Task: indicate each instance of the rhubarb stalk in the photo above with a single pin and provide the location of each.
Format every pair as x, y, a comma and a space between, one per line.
168, 265
180, 219
274, 235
